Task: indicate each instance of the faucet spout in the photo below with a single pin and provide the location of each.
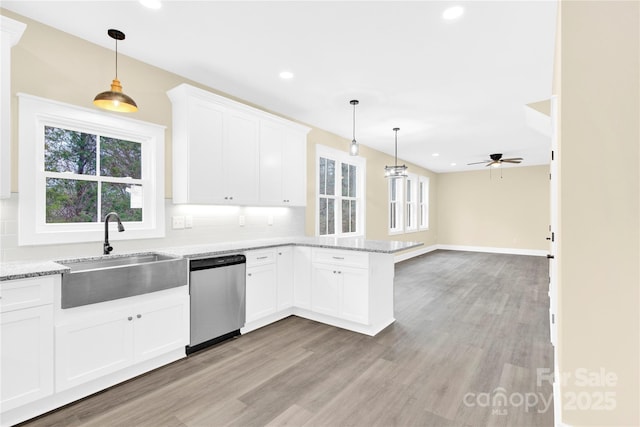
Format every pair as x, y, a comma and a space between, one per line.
107, 248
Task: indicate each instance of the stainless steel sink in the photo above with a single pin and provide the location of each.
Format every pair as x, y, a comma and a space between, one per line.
115, 277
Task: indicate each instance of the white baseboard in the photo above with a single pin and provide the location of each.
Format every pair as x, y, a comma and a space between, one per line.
417, 252
511, 251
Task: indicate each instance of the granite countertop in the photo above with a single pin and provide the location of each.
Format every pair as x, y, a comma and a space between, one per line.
25, 269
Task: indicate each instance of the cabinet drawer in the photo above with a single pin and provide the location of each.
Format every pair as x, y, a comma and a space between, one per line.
24, 293
260, 257
346, 258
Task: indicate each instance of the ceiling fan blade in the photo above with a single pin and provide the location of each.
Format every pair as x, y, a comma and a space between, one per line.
477, 163
511, 161
492, 163
512, 158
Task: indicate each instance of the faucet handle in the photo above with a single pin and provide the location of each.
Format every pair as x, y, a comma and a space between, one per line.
107, 249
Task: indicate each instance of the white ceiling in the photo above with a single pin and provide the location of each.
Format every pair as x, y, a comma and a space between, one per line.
457, 88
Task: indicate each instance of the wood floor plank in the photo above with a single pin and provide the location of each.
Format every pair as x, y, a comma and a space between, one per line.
466, 324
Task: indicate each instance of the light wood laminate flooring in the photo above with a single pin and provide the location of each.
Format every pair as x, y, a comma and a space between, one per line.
470, 328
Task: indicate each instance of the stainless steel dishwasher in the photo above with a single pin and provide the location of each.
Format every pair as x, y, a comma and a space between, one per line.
217, 292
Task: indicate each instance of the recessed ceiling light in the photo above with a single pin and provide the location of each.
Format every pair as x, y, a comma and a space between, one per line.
151, 4
453, 164
435, 154
286, 75
453, 12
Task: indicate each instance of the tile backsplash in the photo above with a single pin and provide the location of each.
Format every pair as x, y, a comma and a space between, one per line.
211, 224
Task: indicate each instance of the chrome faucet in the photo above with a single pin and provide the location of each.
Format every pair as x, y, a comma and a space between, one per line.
107, 246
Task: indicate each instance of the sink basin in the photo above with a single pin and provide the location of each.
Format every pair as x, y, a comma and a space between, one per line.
110, 278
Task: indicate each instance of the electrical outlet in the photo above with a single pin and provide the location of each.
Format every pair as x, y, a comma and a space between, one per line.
241, 220
188, 221
178, 222
270, 220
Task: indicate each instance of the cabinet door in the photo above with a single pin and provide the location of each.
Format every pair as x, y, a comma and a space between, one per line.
26, 360
354, 298
302, 277
294, 159
261, 291
241, 159
325, 297
91, 347
285, 277
204, 171
160, 326
271, 165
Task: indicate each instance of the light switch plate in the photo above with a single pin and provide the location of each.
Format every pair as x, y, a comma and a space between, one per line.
270, 220
188, 221
241, 220
178, 222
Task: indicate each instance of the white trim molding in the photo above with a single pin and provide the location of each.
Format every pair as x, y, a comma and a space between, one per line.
11, 32
510, 251
426, 249
420, 251
35, 114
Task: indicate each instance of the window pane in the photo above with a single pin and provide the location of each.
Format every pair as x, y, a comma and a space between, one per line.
70, 200
331, 216
69, 151
345, 216
345, 179
409, 190
331, 178
117, 198
322, 176
421, 195
120, 158
392, 215
323, 216
353, 216
352, 182
392, 186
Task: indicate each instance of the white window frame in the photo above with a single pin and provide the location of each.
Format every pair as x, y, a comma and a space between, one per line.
396, 207
341, 157
409, 207
411, 203
35, 114
423, 202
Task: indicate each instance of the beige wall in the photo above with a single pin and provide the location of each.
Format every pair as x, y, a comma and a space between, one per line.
599, 253
479, 208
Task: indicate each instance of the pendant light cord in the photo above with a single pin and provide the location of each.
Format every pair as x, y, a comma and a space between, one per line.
116, 59
354, 122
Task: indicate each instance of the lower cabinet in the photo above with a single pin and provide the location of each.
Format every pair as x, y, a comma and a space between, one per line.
340, 291
117, 336
26, 357
269, 284
261, 291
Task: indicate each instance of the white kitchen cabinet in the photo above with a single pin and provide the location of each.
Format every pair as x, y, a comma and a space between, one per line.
340, 285
302, 277
26, 328
240, 155
284, 271
283, 161
261, 291
223, 150
117, 334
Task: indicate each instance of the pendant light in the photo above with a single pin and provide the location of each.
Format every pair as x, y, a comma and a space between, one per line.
354, 149
115, 99
395, 171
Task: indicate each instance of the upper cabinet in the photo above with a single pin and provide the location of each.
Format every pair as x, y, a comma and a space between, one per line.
10, 33
225, 152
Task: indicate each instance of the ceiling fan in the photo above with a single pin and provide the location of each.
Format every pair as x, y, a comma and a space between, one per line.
497, 160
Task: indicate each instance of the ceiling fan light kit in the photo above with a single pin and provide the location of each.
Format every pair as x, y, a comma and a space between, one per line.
115, 99
395, 171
